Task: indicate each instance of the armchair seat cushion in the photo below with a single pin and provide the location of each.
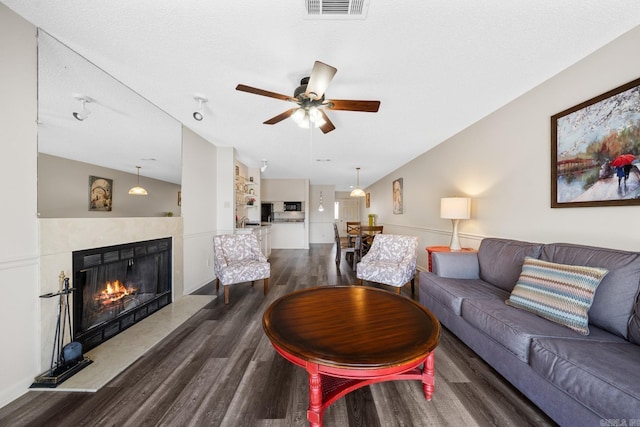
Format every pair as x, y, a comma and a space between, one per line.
385, 272
244, 271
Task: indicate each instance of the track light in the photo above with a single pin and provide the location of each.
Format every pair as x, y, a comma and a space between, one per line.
264, 166
198, 113
83, 113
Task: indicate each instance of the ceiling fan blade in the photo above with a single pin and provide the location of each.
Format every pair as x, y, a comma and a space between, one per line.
353, 105
319, 80
280, 117
328, 125
245, 88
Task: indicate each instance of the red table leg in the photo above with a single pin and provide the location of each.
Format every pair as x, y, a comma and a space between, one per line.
314, 413
428, 376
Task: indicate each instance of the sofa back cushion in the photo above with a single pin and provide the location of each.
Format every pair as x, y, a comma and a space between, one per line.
634, 323
615, 297
501, 260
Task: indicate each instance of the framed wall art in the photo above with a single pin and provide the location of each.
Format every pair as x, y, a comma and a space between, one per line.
100, 194
397, 196
367, 200
595, 151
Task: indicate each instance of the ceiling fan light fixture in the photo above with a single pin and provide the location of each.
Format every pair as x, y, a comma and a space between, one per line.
314, 114
304, 123
299, 115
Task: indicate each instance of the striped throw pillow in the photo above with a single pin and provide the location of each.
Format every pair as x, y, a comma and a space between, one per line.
558, 292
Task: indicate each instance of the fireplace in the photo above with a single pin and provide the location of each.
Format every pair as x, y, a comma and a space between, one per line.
117, 286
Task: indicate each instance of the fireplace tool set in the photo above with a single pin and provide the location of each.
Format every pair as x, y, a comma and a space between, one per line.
66, 360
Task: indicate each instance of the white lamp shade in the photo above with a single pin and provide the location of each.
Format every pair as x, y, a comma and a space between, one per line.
357, 192
455, 208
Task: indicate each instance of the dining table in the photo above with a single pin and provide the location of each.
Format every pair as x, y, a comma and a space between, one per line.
362, 239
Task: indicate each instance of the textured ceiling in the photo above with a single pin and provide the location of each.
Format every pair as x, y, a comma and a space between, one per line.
436, 66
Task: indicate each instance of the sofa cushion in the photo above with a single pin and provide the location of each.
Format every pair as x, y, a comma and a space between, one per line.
613, 303
558, 292
501, 260
451, 292
634, 323
599, 375
514, 329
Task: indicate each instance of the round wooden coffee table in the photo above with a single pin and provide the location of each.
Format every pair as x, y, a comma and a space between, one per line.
347, 337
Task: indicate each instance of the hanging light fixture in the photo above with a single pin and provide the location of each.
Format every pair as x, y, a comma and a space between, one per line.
198, 113
137, 190
83, 113
357, 192
321, 207
264, 166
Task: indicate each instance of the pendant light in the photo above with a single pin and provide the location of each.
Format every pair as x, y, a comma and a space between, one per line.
137, 190
321, 207
357, 192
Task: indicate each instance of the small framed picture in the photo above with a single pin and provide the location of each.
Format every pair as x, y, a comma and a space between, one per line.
100, 194
367, 200
397, 196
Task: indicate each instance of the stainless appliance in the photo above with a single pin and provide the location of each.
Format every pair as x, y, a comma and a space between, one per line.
292, 206
266, 212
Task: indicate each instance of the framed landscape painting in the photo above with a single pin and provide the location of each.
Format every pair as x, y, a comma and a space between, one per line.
595, 151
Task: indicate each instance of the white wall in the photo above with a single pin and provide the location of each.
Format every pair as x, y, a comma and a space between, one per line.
226, 190
199, 209
503, 163
19, 305
321, 223
284, 190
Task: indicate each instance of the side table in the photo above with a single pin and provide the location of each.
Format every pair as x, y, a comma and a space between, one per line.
432, 249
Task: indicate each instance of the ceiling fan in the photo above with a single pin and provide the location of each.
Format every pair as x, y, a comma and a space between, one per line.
311, 102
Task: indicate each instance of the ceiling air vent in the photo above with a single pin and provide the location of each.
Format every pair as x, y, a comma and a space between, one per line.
336, 9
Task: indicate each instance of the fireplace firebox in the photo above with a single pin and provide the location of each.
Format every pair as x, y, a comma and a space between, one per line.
117, 286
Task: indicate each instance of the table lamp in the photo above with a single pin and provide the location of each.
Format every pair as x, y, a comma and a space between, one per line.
455, 209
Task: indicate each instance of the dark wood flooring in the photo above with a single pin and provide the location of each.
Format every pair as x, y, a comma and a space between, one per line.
219, 369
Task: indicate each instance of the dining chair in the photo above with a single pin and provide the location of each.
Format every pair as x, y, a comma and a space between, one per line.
366, 233
238, 259
390, 261
348, 251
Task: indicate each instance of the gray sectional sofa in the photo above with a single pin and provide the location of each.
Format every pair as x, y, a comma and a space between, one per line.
578, 380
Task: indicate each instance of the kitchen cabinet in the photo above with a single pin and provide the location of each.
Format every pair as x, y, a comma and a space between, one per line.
288, 235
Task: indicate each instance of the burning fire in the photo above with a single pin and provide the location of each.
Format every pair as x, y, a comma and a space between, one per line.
114, 292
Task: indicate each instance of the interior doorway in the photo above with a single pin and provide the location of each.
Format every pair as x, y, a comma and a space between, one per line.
348, 210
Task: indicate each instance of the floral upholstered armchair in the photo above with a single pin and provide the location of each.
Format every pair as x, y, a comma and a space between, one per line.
237, 259
390, 261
